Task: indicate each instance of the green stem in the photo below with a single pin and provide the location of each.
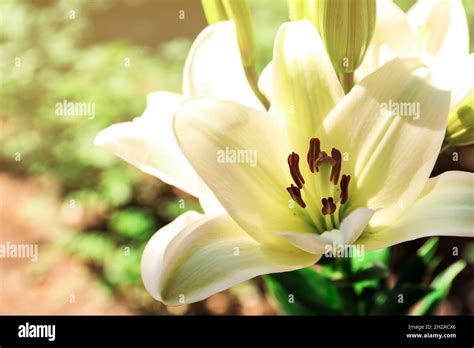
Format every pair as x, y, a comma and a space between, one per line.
347, 81
252, 78
346, 292
214, 11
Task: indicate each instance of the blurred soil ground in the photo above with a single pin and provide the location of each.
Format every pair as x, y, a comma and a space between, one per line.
58, 285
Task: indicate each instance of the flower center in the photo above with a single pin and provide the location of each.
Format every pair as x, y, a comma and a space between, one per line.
324, 197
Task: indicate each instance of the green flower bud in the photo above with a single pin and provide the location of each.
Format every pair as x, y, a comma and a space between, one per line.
298, 9
313, 12
346, 27
214, 11
239, 12
460, 130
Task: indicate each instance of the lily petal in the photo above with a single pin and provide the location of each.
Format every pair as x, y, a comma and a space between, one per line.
459, 79
149, 144
391, 154
445, 208
442, 29
393, 37
352, 226
214, 68
350, 229
196, 256
265, 81
305, 86
241, 157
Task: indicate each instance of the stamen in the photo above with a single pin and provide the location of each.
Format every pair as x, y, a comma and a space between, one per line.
322, 159
332, 205
327, 170
293, 163
295, 194
313, 152
329, 206
345, 188
325, 209
336, 168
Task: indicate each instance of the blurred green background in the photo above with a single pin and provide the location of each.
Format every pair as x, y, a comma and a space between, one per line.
90, 212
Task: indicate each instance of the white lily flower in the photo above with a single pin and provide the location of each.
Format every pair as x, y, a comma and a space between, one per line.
213, 68
434, 30
355, 175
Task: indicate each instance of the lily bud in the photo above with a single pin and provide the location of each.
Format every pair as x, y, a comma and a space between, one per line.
313, 12
214, 11
346, 27
298, 9
239, 12
460, 130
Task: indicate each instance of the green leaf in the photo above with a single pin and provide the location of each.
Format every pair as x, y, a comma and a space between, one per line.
122, 266
304, 291
364, 277
366, 297
398, 301
282, 297
377, 271
427, 250
440, 285
415, 268
115, 187
94, 246
133, 223
170, 209
381, 256
468, 253
373, 265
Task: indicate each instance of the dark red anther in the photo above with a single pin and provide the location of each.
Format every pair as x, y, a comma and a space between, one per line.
332, 205
329, 206
293, 163
345, 188
313, 152
322, 159
336, 168
325, 209
295, 194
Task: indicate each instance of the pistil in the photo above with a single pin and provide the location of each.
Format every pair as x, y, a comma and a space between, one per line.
324, 165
